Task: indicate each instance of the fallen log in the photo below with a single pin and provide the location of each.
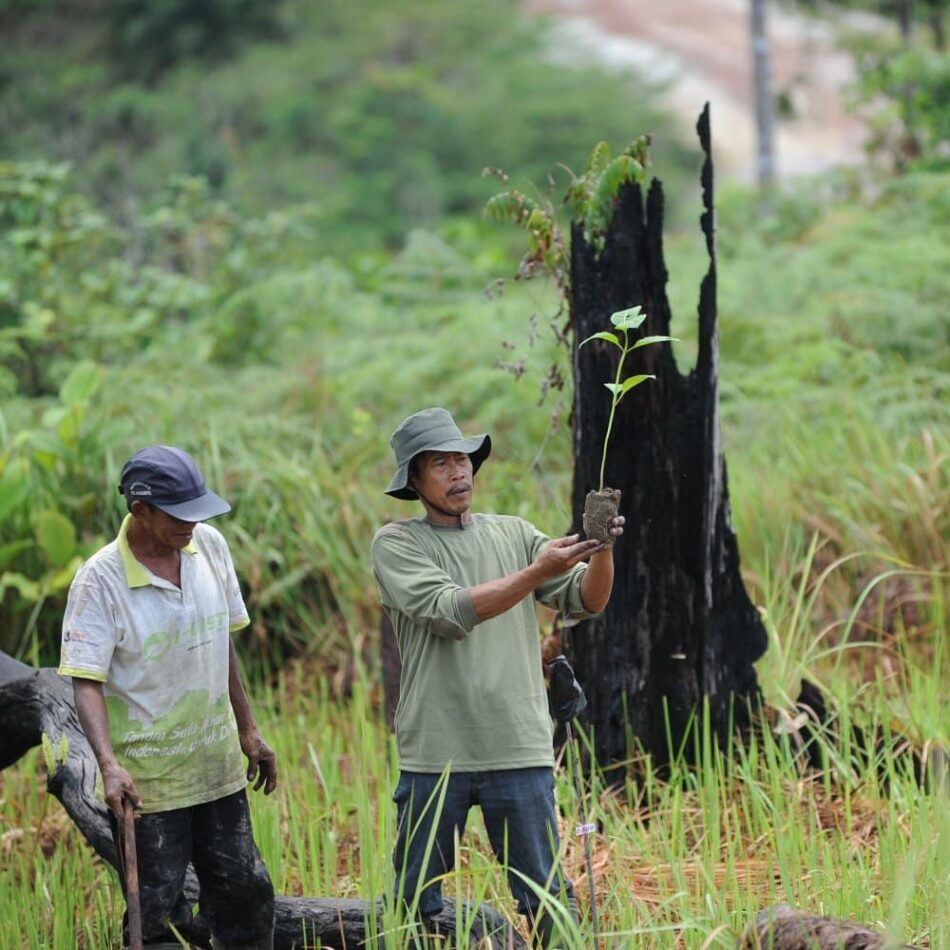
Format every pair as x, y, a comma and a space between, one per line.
34, 703
786, 928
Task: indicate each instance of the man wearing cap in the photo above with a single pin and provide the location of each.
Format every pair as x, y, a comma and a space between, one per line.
460, 591
146, 639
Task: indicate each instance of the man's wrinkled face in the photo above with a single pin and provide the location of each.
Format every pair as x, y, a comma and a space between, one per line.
163, 529
445, 480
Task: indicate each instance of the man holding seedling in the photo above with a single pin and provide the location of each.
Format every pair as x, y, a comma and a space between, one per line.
146, 639
472, 724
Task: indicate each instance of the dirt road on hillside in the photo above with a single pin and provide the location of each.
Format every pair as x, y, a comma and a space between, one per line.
699, 49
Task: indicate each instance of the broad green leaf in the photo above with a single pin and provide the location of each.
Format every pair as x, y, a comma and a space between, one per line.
9, 551
632, 381
57, 581
28, 589
647, 340
628, 319
81, 383
604, 335
47, 448
53, 416
70, 426
13, 492
56, 536
615, 388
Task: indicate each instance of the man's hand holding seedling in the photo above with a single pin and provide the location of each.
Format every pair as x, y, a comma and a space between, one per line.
562, 554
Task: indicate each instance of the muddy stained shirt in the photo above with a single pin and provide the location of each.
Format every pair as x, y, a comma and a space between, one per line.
472, 693
161, 654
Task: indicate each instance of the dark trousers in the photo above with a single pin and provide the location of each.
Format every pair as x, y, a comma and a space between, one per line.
236, 891
519, 811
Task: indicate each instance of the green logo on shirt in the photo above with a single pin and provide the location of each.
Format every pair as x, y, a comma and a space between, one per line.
157, 645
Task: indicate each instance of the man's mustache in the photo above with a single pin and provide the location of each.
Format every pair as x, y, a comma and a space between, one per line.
458, 489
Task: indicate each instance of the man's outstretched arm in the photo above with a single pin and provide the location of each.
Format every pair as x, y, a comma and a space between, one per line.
495, 597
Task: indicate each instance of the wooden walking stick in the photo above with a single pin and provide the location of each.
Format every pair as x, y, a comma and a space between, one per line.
131, 867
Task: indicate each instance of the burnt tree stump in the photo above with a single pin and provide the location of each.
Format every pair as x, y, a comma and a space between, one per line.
34, 702
680, 630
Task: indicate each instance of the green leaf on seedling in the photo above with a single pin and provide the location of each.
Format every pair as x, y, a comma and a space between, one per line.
647, 340
615, 388
604, 335
628, 319
632, 381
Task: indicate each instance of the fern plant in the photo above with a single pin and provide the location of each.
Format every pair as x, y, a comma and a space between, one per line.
591, 196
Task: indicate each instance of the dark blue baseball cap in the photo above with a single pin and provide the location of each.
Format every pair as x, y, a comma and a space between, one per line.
170, 479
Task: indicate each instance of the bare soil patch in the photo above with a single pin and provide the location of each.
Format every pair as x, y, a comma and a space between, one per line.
700, 50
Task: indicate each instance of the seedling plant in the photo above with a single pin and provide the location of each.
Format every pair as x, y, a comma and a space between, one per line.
602, 505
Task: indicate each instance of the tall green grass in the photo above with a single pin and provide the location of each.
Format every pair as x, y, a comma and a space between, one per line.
683, 861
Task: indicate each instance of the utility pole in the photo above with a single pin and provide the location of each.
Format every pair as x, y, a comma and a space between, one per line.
762, 91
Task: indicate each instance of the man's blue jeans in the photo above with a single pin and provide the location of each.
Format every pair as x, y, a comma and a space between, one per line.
519, 811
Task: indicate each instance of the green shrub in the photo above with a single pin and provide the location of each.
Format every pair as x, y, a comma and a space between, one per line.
381, 115
284, 372
148, 37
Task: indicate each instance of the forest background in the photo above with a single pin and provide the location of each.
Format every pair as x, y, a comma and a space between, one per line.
255, 230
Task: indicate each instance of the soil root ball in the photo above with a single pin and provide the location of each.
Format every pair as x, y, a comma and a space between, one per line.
600, 508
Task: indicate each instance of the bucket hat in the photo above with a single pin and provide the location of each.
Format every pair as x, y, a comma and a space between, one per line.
170, 479
431, 430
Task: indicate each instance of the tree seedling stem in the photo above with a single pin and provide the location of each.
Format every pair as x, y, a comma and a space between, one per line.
623, 321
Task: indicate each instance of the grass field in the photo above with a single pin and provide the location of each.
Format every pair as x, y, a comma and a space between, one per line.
680, 863
834, 385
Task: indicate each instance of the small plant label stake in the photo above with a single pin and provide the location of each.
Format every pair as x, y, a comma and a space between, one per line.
601, 506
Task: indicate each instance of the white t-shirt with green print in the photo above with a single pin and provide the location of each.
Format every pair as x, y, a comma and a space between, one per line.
161, 653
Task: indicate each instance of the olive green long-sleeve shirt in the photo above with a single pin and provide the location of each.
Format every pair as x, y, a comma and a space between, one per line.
472, 693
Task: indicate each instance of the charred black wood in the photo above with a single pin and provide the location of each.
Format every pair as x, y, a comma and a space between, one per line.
345, 923
680, 630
